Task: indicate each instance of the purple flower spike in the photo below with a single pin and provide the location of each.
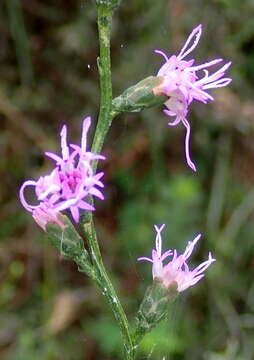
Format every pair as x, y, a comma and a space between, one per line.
176, 271
184, 82
69, 184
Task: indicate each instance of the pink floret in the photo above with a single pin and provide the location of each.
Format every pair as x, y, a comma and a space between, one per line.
176, 271
184, 82
69, 184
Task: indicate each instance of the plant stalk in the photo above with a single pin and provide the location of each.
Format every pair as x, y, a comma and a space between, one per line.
107, 289
104, 20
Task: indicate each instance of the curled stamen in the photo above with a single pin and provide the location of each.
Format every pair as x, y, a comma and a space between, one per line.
158, 238
175, 122
187, 144
196, 34
22, 196
162, 54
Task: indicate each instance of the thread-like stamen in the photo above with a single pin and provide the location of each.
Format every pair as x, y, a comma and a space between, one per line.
187, 144
196, 33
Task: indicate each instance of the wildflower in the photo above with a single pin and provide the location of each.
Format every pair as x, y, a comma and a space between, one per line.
69, 184
176, 272
183, 83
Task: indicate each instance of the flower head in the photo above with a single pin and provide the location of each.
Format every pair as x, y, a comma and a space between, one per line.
184, 82
69, 184
176, 271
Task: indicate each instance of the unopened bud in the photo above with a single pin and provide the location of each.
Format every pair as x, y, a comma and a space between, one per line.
154, 307
68, 241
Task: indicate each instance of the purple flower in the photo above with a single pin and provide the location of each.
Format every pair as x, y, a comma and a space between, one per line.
184, 82
176, 271
69, 184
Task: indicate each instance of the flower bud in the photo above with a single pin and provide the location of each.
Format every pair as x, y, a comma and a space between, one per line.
140, 96
68, 241
154, 307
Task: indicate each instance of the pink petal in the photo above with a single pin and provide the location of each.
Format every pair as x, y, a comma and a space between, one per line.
64, 146
96, 192
54, 157
75, 213
86, 126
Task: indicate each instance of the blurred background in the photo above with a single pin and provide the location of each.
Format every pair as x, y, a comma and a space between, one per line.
48, 73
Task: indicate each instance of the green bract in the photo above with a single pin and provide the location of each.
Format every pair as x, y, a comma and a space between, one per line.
69, 243
139, 97
154, 308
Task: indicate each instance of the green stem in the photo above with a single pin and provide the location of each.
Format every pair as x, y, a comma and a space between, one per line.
104, 65
104, 20
107, 288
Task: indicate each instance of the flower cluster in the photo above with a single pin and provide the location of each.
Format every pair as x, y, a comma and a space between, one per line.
184, 82
176, 271
68, 185
73, 181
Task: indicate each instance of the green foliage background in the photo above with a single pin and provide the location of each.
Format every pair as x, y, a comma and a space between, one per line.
48, 75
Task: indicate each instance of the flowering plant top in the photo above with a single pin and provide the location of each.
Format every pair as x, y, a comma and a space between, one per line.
176, 271
183, 82
68, 185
